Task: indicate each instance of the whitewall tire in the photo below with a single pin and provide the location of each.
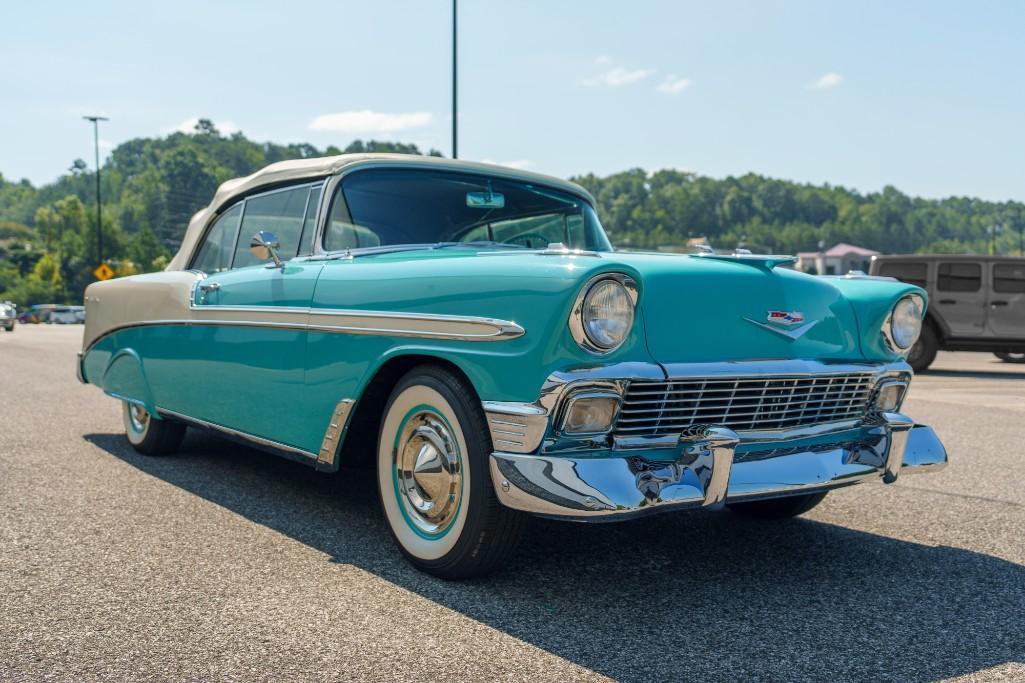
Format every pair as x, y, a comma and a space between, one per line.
433, 478
148, 435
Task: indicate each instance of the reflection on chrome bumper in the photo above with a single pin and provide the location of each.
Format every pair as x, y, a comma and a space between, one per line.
708, 473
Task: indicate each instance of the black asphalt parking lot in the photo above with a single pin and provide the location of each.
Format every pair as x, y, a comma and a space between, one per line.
224, 563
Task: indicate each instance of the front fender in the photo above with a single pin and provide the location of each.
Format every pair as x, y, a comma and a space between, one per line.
872, 300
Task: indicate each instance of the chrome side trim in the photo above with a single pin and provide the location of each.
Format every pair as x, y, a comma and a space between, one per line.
333, 434
437, 326
257, 440
448, 327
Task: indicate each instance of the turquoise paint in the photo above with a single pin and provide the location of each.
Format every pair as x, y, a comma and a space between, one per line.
423, 407
872, 301
125, 378
283, 384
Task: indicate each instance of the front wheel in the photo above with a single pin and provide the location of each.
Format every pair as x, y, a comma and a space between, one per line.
779, 508
148, 435
434, 480
1010, 357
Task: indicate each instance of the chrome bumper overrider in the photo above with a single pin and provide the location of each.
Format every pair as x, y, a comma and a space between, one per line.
709, 471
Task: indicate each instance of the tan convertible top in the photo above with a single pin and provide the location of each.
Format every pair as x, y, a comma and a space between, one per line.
319, 167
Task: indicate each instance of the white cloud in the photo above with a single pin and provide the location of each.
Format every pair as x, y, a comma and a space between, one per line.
829, 80
188, 126
105, 144
518, 164
618, 76
368, 122
671, 85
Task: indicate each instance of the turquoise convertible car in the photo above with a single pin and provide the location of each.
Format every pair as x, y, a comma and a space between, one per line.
470, 330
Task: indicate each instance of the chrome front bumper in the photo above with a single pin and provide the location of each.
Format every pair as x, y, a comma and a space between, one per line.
709, 472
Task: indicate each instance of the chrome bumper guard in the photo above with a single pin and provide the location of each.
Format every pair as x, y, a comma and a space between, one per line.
707, 473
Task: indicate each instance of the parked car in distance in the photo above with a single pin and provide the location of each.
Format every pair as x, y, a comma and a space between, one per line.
471, 331
8, 315
52, 313
977, 303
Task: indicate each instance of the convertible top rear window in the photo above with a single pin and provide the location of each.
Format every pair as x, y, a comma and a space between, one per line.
382, 207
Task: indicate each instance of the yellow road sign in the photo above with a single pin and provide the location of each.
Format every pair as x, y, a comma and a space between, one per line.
103, 272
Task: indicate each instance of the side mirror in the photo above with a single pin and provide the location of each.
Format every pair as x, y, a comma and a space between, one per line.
265, 246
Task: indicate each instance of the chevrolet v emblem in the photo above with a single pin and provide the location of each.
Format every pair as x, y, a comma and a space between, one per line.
792, 334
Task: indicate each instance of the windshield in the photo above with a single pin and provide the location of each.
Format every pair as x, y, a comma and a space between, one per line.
385, 207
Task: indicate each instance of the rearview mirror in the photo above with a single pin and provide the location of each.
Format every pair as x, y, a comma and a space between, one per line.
485, 200
265, 246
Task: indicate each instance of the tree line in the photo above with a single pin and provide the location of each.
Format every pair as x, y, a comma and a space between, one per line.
152, 186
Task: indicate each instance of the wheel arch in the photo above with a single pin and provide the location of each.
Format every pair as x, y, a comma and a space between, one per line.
124, 378
938, 324
358, 444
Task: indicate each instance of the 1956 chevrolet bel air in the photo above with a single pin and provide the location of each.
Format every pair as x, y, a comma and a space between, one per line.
470, 328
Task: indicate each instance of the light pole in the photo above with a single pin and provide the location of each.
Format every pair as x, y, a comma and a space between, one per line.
455, 129
99, 207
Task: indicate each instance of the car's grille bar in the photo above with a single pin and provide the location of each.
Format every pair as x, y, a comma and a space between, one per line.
657, 408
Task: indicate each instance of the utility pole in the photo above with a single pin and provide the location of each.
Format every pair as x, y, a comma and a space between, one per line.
455, 125
99, 207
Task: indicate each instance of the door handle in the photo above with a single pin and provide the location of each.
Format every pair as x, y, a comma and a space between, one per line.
206, 288
994, 304
947, 301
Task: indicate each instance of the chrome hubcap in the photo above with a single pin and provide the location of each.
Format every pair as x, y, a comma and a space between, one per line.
428, 473
139, 418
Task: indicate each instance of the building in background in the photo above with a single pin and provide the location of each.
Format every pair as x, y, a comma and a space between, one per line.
839, 259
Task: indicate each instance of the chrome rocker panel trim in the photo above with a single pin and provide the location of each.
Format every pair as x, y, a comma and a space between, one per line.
705, 475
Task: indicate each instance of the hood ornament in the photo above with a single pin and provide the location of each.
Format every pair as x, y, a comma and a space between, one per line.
788, 319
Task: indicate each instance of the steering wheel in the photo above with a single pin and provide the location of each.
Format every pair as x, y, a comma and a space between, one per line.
531, 240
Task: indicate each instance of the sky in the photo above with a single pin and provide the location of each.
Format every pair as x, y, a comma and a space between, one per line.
926, 96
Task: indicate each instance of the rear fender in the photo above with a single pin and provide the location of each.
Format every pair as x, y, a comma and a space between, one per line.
125, 379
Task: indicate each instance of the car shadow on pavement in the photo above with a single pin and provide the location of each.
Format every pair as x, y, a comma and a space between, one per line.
691, 595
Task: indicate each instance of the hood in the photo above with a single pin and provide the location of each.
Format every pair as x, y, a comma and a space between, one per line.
709, 309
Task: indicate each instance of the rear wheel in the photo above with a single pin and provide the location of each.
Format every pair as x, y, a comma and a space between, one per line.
1010, 357
923, 353
434, 479
779, 508
148, 435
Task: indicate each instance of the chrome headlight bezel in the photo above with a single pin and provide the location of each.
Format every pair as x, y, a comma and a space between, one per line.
577, 324
888, 331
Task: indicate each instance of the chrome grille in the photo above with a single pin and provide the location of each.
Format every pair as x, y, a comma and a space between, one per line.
656, 408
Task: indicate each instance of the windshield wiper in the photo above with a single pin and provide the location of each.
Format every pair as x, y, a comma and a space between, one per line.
476, 244
393, 248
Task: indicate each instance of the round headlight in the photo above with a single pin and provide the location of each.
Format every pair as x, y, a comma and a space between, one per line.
607, 314
906, 322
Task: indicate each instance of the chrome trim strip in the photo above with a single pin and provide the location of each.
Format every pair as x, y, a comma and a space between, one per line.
448, 327
258, 440
333, 434
434, 326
